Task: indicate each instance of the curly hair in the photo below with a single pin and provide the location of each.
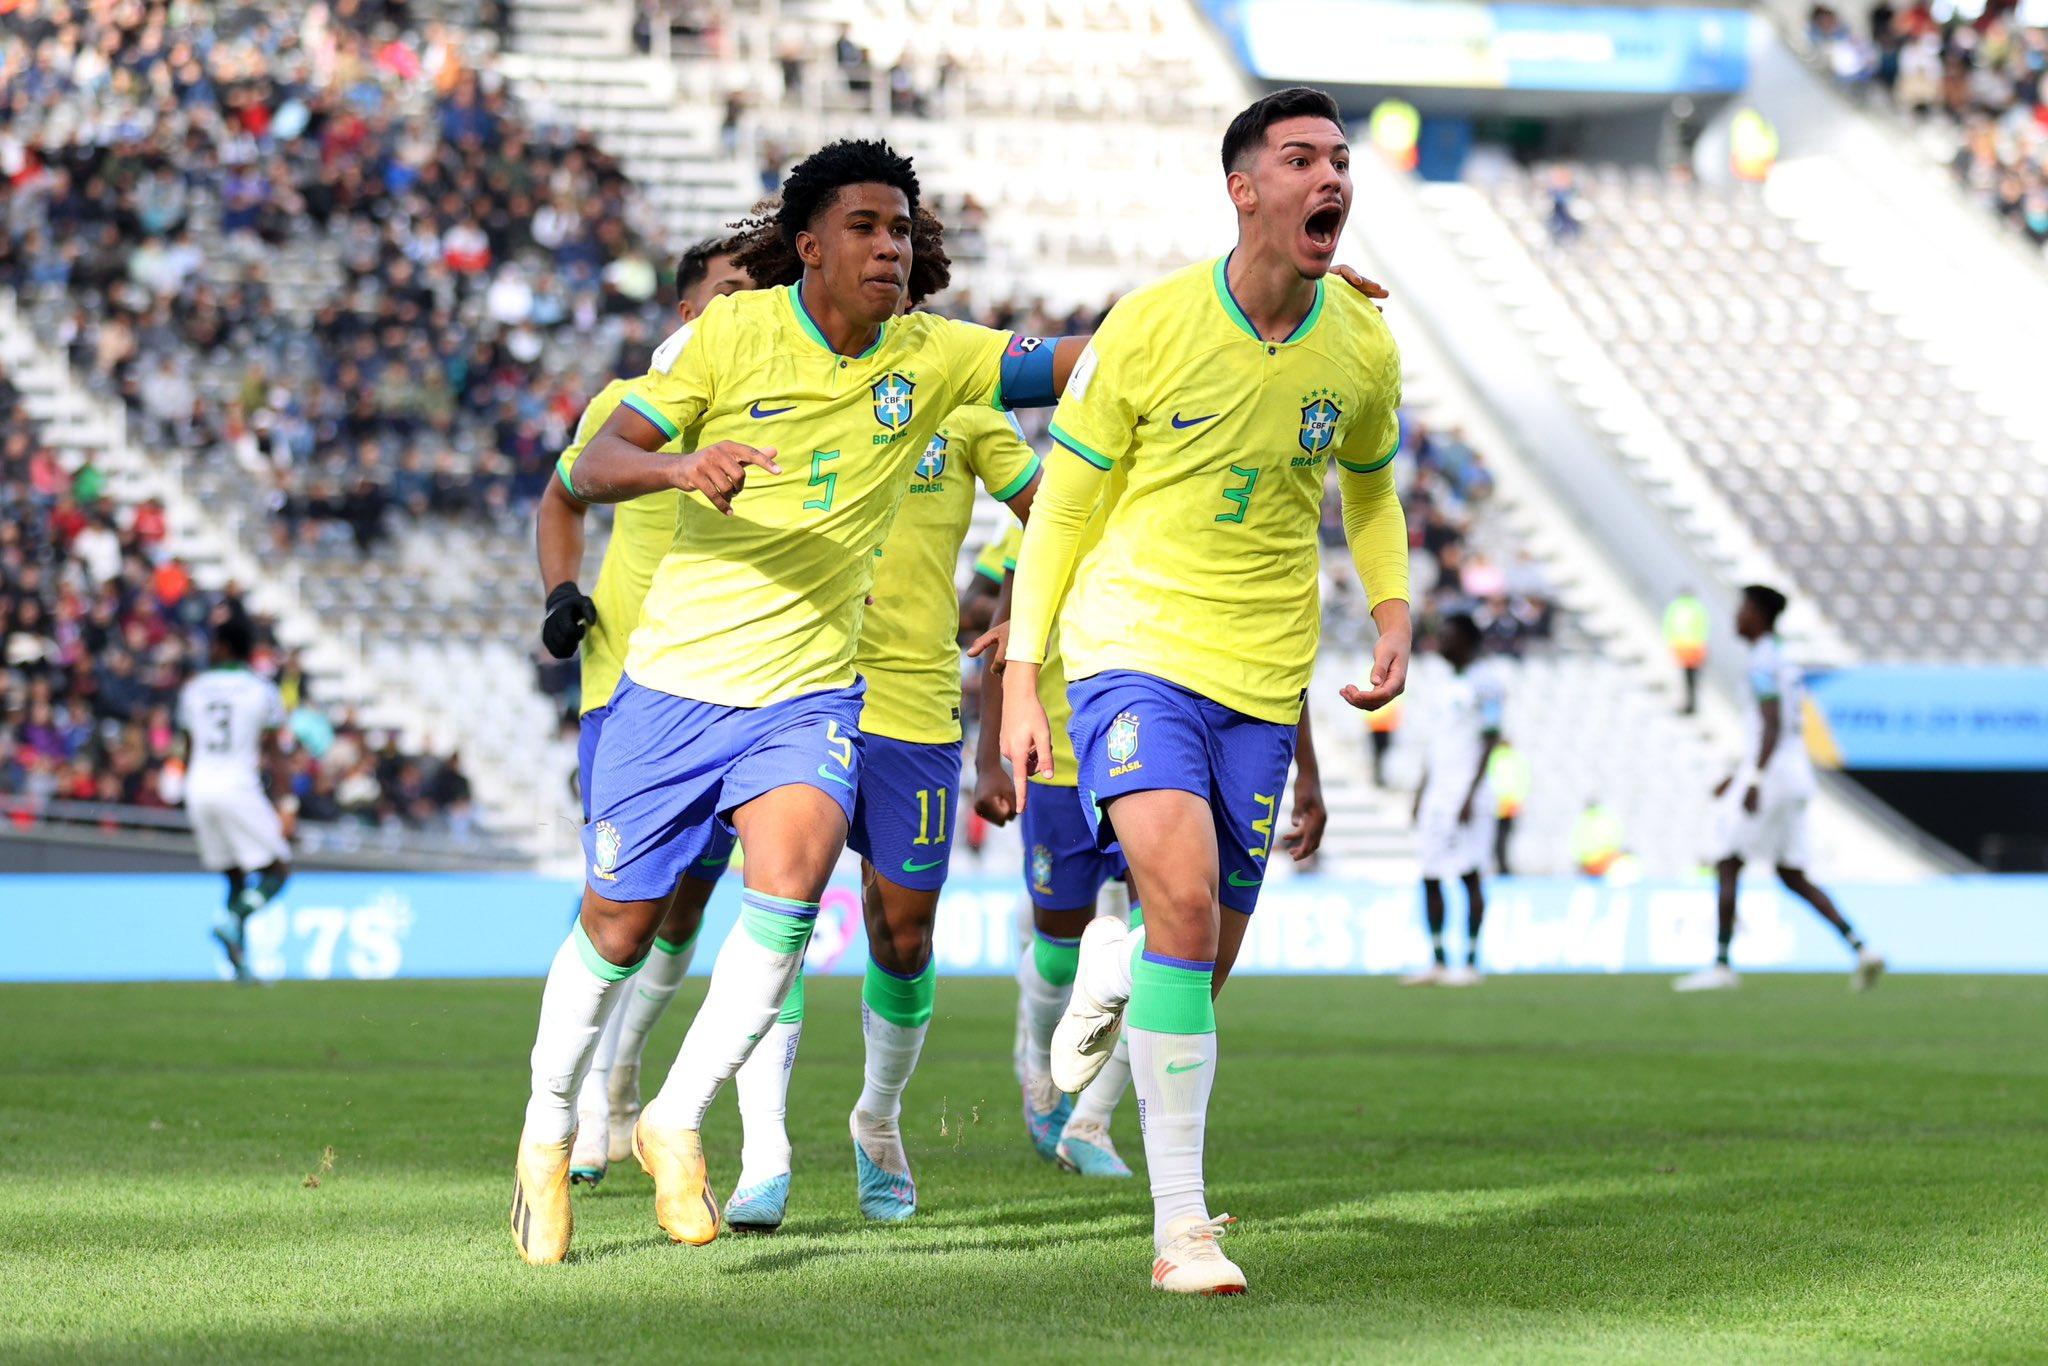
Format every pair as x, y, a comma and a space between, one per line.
816, 181
767, 254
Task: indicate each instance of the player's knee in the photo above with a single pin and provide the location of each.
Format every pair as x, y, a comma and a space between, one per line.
1793, 878
622, 932
1183, 900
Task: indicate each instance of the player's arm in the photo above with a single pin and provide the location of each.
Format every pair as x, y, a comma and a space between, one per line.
1376, 529
995, 797
558, 539
1772, 711
1310, 815
1490, 708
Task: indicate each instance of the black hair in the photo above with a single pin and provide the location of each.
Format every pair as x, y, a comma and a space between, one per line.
235, 637
695, 263
1247, 132
816, 181
1463, 625
1766, 600
769, 258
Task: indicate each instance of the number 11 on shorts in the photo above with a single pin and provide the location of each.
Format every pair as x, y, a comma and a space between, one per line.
929, 798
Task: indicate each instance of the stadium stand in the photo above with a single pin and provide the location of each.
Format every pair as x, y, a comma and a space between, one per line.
1762, 381
1973, 90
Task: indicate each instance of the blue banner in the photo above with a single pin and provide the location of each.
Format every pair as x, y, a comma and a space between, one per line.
1509, 46
150, 927
1908, 716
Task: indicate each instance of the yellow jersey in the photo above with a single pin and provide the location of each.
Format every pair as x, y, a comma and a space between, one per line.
641, 531
1204, 446
766, 604
909, 642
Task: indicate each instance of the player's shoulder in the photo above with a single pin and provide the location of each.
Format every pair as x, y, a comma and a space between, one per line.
919, 328
975, 422
601, 404
1354, 324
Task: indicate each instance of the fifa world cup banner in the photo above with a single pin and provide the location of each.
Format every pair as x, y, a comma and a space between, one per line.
154, 927
1929, 717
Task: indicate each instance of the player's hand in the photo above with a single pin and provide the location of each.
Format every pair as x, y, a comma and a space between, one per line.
569, 615
995, 796
1371, 289
1389, 671
1027, 735
997, 639
1752, 799
1310, 817
719, 472
1465, 812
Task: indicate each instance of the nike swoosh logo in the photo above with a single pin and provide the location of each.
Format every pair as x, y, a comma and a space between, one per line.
714, 862
910, 867
1238, 880
758, 411
1180, 426
824, 772
1174, 1069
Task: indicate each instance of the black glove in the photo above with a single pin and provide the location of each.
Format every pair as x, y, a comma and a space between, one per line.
570, 614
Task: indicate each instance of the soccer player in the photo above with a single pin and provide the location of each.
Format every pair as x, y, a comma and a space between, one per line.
1203, 415
740, 699
1760, 811
1454, 806
642, 528
231, 718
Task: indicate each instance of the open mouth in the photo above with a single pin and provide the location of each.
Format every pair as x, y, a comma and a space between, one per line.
1322, 225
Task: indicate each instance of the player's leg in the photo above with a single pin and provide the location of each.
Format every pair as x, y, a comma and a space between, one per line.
228, 924
1085, 1146
1721, 976
903, 826
1433, 915
1063, 872
675, 946
1467, 974
761, 1197
789, 780
1792, 851
1503, 831
647, 789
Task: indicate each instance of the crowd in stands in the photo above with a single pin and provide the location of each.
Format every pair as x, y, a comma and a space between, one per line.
100, 626
461, 274
1988, 75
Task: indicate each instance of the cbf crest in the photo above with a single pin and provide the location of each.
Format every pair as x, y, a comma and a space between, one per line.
932, 464
1041, 867
1122, 740
892, 400
605, 849
1319, 416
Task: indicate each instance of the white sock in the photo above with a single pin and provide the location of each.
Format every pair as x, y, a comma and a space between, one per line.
1096, 1104
582, 988
593, 1105
892, 1051
763, 1085
1173, 1109
1041, 1004
756, 967
656, 986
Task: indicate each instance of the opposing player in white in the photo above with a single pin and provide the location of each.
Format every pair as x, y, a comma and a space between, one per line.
229, 716
1761, 811
1455, 809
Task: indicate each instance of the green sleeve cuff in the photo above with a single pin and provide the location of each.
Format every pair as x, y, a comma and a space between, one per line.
1017, 485
562, 472
1081, 448
654, 415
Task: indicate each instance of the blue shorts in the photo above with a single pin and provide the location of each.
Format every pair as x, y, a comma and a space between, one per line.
708, 845
1137, 733
904, 815
665, 767
1063, 866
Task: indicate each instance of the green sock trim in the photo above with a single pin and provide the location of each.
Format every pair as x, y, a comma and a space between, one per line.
906, 1001
672, 947
793, 1004
1057, 961
1169, 999
772, 928
599, 965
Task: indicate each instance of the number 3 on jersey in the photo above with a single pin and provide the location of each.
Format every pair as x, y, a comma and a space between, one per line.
1239, 495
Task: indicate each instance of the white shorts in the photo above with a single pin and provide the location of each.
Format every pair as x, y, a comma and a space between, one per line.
1779, 834
236, 830
1449, 848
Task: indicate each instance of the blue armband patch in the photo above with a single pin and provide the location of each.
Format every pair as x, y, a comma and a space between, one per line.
1026, 377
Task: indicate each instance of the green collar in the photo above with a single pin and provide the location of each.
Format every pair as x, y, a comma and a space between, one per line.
1221, 276
803, 318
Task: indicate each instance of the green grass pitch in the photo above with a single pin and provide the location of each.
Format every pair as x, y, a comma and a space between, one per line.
1544, 1169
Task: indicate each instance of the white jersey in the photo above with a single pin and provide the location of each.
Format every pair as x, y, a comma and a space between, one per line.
1466, 706
226, 712
1771, 675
